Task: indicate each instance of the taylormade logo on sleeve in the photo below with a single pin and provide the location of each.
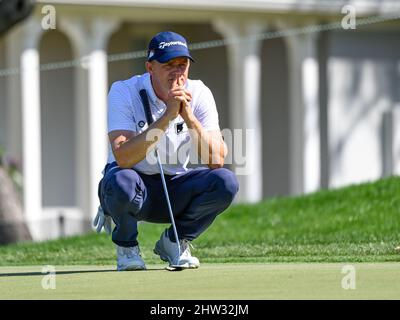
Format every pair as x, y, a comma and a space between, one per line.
162, 45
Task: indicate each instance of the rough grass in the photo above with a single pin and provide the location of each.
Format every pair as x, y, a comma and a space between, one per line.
360, 223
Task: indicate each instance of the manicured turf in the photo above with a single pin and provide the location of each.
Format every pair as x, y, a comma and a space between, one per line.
357, 224
211, 281
242, 254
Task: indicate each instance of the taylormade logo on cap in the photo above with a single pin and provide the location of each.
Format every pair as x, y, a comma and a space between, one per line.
167, 45
162, 45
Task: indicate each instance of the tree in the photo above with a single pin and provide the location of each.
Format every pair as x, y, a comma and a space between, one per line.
13, 12
12, 225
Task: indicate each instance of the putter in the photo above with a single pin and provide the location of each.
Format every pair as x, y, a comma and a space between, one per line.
149, 118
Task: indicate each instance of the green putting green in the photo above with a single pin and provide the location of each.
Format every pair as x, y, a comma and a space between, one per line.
211, 281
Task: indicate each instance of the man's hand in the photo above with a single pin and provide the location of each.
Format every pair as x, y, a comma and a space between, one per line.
186, 110
178, 98
101, 221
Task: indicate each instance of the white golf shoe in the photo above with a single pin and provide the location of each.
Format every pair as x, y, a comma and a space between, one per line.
168, 251
129, 258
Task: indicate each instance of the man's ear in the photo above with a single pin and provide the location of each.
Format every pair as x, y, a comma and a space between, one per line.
149, 67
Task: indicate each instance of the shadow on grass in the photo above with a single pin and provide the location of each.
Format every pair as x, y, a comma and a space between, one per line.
23, 274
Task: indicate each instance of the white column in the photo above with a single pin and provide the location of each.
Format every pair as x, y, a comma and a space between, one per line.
90, 42
14, 117
76, 29
244, 103
304, 113
31, 130
98, 90
396, 136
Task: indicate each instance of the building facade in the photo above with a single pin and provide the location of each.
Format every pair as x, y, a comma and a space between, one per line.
321, 105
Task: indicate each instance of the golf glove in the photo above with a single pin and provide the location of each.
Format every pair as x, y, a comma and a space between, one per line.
102, 221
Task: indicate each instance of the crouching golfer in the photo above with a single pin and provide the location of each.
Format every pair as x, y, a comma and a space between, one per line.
185, 116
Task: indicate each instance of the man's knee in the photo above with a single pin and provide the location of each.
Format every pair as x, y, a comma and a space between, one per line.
123, 188
226, 184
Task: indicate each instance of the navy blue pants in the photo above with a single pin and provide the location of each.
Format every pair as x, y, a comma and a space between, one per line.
197, 197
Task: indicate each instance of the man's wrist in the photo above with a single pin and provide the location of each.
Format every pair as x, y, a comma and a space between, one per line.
190, 119
166, 118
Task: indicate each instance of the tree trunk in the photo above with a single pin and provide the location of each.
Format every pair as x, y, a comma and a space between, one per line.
12, 224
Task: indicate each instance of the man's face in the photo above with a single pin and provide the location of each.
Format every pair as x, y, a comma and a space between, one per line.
163, 74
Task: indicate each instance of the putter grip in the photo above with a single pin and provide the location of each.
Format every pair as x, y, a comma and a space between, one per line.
146, 106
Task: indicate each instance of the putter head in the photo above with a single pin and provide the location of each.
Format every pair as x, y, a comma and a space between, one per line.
171, 268
178, 267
